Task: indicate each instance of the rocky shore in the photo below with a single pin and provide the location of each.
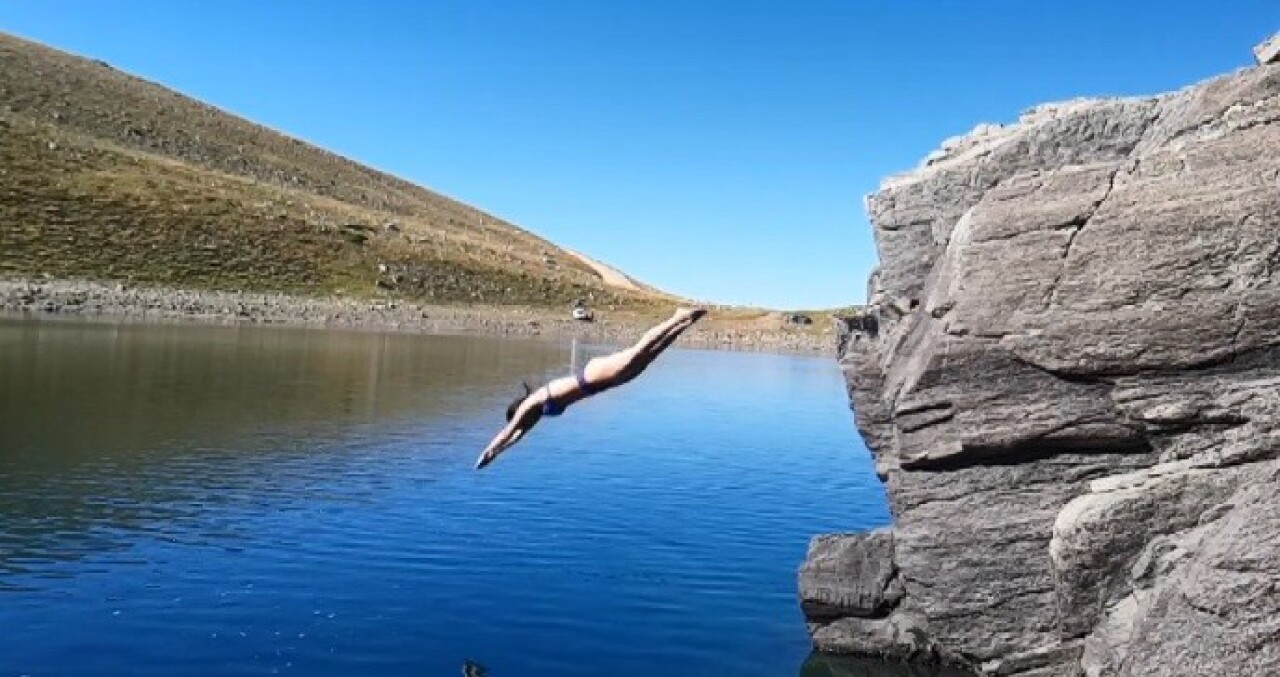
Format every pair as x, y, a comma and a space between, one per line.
1069, 377
125, 302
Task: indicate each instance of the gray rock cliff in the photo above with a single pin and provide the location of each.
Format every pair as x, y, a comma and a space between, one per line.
1069, 376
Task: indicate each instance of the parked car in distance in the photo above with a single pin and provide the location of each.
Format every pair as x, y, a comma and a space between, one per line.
582, 314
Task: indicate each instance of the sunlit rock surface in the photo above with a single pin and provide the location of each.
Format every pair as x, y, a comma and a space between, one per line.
1069, 375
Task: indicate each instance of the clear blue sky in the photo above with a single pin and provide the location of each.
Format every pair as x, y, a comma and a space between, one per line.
719, 150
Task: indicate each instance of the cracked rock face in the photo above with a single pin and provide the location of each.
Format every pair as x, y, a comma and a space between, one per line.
1069, 375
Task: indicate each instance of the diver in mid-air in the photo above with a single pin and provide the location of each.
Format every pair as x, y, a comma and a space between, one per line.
599, 375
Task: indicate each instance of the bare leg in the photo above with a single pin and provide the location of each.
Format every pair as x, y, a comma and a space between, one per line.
672, 329
667, 340
625, 365
656, 335
654, 350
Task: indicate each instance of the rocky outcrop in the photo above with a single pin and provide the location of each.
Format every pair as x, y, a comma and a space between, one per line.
1268, 51
1069, 376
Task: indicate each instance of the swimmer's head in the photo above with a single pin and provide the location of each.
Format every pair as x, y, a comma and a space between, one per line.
515, 404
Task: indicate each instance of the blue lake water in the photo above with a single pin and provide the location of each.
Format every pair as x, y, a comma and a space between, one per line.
252, 501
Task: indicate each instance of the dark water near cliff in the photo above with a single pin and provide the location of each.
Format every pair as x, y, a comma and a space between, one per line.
192, 500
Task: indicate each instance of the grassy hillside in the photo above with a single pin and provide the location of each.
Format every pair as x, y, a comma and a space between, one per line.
106, 175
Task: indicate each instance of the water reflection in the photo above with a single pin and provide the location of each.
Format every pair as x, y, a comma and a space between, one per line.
244, 501
107, 430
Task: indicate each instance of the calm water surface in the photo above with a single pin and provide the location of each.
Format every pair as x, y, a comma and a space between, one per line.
249, 501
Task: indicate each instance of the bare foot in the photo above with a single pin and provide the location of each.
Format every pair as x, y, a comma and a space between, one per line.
691, 314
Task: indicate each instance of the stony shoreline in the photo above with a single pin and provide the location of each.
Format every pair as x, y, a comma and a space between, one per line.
119, 301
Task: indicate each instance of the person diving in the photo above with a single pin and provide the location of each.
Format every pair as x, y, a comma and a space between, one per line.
598, 375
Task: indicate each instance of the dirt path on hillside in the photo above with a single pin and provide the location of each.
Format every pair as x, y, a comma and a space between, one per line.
611, 276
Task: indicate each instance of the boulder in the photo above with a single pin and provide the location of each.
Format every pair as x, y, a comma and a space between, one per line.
850, 575
1268, 51
1069, 376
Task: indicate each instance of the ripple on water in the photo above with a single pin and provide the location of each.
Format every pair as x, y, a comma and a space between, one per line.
304, 502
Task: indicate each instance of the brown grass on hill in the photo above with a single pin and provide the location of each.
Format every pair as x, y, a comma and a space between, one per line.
106, 175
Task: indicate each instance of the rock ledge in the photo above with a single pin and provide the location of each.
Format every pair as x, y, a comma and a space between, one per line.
1069, 376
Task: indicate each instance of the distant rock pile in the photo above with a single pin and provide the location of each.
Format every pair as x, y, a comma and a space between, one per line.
1069, 375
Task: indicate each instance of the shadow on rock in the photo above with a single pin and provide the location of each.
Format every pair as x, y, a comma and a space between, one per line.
825, 665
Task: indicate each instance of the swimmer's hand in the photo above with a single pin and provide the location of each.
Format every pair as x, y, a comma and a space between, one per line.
486, 458
504, 440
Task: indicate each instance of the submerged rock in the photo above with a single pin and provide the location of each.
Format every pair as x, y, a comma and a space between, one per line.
1069, 376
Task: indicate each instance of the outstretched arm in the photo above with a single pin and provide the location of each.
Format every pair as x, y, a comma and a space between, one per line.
510, 434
